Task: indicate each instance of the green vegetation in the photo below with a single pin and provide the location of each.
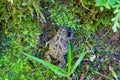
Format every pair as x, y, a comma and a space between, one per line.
57, 69
115, 4
94, 24
18, 34
63, 16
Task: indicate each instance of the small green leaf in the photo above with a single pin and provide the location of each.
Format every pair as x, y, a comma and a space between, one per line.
111, 2
106, 5
100, 2
79, 60
116, 20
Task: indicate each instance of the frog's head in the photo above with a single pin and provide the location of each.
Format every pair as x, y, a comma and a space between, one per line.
66, 33
63, 31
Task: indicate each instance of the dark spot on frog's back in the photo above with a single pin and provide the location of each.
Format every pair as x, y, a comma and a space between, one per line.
57, 38
60, 47
61, 39
56, 45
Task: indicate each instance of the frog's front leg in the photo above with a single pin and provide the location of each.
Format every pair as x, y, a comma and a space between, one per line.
47, 56
46, 44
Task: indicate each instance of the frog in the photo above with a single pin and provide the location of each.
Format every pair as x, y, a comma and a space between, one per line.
58, 46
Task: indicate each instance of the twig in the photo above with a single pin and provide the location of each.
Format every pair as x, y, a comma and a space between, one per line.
105, 34
101, 74
87, 8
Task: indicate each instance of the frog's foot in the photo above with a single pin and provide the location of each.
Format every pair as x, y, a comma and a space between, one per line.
62, 65
46, 44
47, 56
62, 62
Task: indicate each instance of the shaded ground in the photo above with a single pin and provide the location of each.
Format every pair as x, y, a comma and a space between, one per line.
107, 51
105, 45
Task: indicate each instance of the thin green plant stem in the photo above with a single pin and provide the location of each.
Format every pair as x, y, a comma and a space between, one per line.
69, 58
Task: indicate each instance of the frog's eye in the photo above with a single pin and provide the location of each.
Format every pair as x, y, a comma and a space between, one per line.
64, 31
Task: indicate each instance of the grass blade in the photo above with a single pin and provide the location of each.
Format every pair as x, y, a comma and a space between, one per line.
69, 57
54, 68
79, 60
40, 73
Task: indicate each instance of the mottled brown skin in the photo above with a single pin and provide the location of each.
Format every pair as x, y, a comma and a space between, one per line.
58, 46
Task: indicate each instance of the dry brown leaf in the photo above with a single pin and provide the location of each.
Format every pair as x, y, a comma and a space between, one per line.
82, 77
112, 71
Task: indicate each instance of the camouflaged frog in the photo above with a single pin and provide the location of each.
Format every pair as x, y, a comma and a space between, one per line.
58, 46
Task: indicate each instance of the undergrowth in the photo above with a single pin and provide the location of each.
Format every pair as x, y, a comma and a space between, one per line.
19, 30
